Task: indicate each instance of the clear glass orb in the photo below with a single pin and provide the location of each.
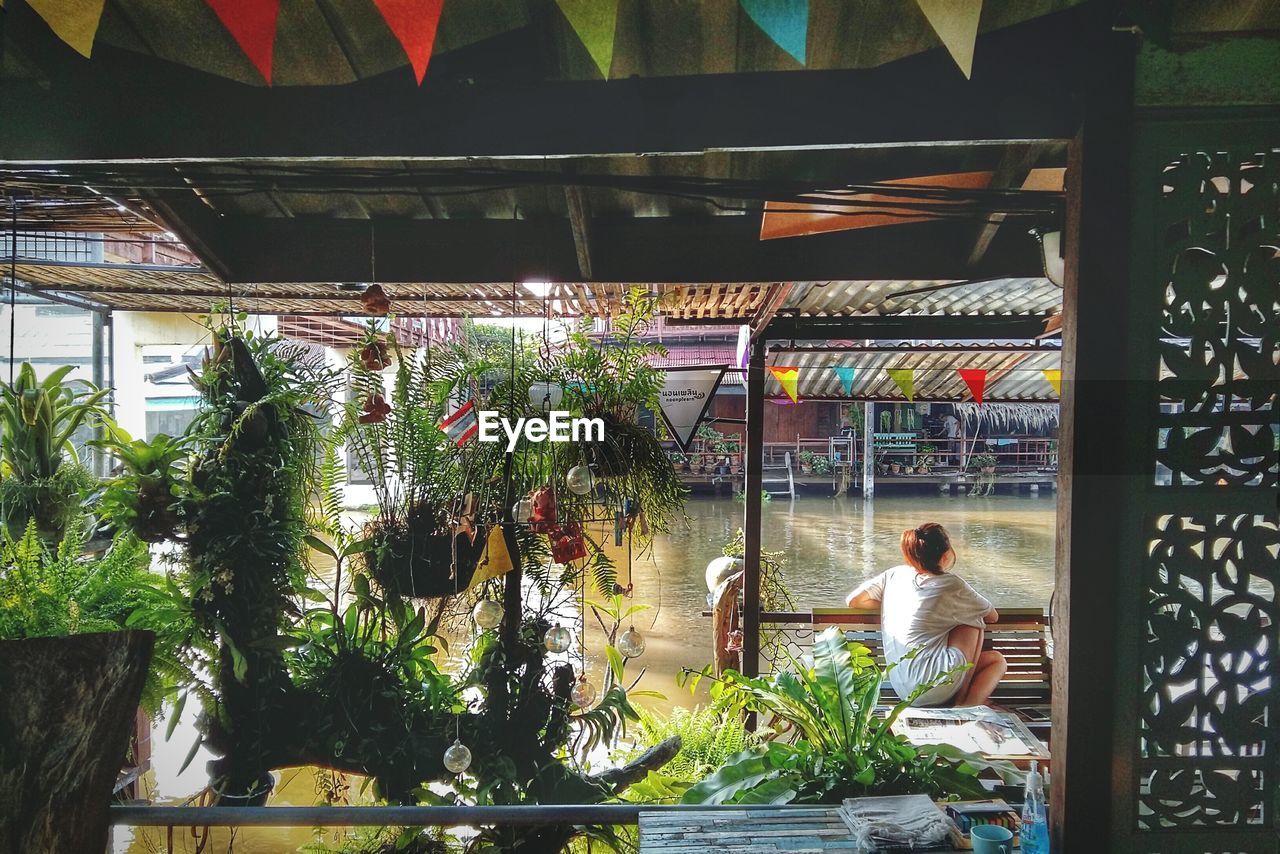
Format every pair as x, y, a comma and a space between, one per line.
522, 511
579, 480
557, 639
631, 644
584, 693
487, 614
457, 758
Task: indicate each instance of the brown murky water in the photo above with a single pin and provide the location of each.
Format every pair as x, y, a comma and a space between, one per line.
1005, 547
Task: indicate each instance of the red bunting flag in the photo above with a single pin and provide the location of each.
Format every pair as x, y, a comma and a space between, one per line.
414, 23
789, 379
252, 23
975, 379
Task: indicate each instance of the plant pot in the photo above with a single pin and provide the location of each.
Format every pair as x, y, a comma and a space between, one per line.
988, 469
922, 469
895, 468
806, 469
415, 558
882, 468
68, 706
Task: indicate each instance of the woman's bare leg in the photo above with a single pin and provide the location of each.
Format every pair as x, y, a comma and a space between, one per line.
986, 674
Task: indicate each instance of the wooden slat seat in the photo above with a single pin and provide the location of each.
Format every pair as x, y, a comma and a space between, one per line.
1021, 635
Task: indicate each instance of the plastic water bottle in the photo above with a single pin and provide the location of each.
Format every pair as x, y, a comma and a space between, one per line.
1035, 821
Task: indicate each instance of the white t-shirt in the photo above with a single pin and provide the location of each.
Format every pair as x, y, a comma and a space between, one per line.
919, 610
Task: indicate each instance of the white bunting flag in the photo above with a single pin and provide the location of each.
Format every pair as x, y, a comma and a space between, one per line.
684, 399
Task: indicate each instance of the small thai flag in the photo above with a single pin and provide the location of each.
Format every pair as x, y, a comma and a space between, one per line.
462, 425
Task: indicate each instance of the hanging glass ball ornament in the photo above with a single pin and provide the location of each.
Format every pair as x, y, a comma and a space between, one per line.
522, 511
631, 644
457, 758
579, 480
557, 639
584, 693
487, 614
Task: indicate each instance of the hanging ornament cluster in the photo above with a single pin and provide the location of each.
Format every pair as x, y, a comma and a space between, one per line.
579, 480
375, 356
374, 410
374, 300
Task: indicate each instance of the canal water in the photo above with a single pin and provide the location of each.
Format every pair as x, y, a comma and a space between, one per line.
1005, 548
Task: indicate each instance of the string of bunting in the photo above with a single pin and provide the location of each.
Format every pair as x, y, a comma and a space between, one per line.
253, 23
788, 376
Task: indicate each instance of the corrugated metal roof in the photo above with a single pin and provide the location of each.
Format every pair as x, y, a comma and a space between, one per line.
995, 296
1010, 376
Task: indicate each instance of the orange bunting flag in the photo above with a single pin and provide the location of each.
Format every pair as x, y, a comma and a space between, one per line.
975, 379
905, 379
414, 23
252, 23
789, 379
1055, 379
74, 23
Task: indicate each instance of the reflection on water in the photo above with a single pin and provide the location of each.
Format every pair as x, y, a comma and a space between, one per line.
1005, 546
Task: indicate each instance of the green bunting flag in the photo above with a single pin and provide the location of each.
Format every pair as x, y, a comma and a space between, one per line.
905, 379
595, 22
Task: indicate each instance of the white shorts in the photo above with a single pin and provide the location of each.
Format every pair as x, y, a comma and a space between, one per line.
946, 659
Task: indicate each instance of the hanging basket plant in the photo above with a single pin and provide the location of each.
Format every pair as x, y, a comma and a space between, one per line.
421, 555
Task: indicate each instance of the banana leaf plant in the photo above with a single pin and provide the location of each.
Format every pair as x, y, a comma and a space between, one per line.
43, 477
830, 741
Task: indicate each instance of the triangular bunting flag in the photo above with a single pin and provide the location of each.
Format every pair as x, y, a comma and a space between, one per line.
413, 22
252, 23
1054, 377
789, 379
73, 21
905, 379
684, 398
784, 21
956, 23
846, 376
975, 379
462, 425
595, 22
496, 559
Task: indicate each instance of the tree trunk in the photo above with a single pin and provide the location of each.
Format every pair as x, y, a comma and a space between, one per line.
67, 707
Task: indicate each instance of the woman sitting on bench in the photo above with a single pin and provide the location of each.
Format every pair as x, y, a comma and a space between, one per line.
923, 606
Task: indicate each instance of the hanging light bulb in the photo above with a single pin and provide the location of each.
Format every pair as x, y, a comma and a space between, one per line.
579, 480
487, 614
457, 758
584, 693
557, 639
631, 644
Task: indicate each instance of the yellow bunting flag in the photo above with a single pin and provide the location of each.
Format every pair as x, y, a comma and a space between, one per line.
956, 23
905, 379
595, 22
496, 560
789, 379
73, 21
1055, 379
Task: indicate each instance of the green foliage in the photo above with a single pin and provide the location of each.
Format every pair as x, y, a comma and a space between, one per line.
54, 593
709, 736
836, 745
822, 466
43, 478
980, 461
146, 497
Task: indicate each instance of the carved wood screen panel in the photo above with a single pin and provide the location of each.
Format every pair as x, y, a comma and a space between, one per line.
1205, 749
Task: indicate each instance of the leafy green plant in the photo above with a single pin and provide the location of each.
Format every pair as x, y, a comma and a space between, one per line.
709, 735
981, 461
822, 465
42, 476
146, 497
832, 744
57, 592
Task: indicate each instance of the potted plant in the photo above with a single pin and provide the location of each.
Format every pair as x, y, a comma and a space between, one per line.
806, 458
145, 497
985, 463
895, 467
822, 465
43, 476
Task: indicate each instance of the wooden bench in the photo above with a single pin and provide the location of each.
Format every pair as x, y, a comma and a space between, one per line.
1021, 635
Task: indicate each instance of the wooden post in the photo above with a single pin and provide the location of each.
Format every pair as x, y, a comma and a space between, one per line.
1094, 443
868, 452
751, 517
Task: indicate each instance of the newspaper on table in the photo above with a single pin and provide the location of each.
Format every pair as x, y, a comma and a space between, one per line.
897, 823
975, 729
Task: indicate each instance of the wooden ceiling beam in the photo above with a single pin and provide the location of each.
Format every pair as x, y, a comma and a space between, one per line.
1015, 165
1025, 89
